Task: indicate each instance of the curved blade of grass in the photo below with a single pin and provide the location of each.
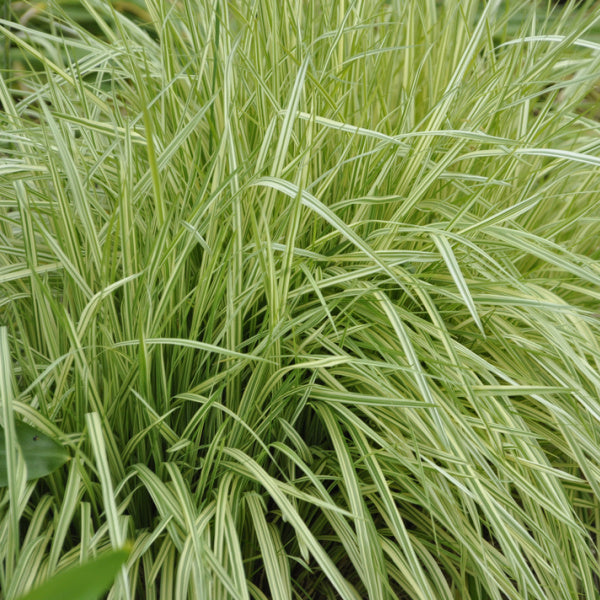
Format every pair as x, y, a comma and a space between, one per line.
256, 472
446, 251
192, 344
279, 582
292, 190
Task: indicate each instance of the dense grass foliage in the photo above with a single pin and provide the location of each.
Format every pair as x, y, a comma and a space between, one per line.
310, 291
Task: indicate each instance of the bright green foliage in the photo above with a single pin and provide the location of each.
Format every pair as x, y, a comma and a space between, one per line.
41, 454
82, 582
310, 291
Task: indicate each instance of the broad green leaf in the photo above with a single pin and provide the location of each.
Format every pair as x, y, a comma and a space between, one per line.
41, 453
87, 581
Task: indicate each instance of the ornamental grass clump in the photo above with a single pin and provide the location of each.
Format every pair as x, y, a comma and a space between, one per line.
309, 291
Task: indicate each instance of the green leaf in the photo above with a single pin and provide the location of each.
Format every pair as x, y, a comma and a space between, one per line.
42, 454
87, 581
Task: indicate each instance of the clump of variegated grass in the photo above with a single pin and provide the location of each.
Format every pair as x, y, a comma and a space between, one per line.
311, 293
